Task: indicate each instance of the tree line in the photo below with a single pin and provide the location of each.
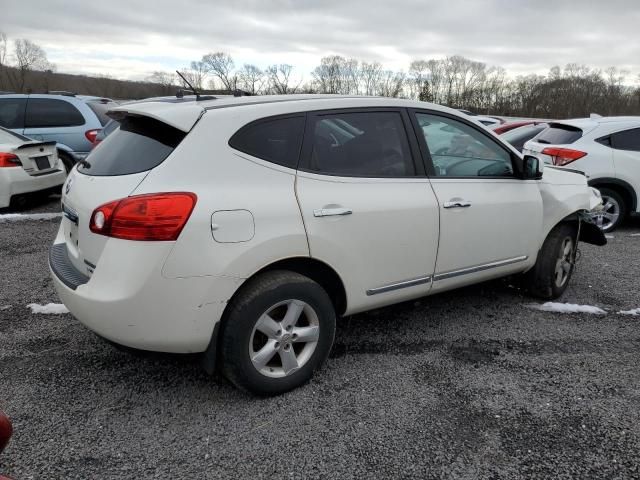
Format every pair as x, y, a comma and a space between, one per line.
570, 91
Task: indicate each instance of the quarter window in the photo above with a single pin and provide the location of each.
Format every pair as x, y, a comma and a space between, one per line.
49, 112
626, 140
372, 144
459, 150
276, 140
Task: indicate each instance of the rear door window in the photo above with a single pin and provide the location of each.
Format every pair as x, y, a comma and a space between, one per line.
12, 112
519, 136
626, 140
50, 112
276, 140
139, 145
559, 134
100, 109
361, 144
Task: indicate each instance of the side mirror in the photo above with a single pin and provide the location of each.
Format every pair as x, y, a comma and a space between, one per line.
531, 168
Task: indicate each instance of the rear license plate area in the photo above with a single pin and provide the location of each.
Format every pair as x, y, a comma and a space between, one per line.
42, 162
71, 226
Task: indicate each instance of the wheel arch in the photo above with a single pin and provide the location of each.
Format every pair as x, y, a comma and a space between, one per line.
623, 188
589, 231
317, 270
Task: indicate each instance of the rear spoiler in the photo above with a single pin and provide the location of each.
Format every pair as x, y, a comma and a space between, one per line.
35, 143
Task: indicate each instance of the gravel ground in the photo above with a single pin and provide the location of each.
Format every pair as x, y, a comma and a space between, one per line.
468, 384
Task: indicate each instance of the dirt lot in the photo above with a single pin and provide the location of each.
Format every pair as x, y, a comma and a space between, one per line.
469, 384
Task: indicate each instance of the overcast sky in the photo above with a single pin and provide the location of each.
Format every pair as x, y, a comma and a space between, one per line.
132, 38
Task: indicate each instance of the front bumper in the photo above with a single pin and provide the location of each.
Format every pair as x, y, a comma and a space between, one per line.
129, 302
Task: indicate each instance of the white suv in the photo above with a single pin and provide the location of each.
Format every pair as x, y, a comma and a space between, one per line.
242, 227
607, 149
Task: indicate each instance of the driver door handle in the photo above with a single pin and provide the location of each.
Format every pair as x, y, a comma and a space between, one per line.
328, 212
457, 204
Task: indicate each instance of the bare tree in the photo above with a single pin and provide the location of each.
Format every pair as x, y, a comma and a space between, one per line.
279, 77
251, 79
370, 75
166, 79
221, 66
29, 56
3, 57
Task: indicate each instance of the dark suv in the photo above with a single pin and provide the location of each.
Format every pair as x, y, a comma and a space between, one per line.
73, 121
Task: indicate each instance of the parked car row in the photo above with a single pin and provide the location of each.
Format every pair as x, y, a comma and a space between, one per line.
241, 227
66, 125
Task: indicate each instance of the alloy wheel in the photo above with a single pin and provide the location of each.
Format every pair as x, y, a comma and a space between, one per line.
607, 218
564, 262
284, 338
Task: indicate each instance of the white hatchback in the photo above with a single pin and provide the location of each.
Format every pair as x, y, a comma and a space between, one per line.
27, 166
607, 150
242, 227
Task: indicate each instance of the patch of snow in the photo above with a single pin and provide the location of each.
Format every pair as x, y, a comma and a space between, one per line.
5, 307
49, 308
634, 312
568, 308
21, 217
609, 236
635, 235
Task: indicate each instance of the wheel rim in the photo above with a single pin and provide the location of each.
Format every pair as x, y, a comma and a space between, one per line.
284, 338
608, 216
564, 262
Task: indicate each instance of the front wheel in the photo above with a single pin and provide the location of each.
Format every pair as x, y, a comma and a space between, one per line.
550, 276
278, 331
613, 211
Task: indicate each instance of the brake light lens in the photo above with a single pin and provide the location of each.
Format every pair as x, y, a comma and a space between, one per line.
9, 160
563, 156
151, 217
92, 134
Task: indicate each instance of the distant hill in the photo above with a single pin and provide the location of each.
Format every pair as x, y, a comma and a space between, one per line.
43, 82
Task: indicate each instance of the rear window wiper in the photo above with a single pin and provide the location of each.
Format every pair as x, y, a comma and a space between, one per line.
544, 141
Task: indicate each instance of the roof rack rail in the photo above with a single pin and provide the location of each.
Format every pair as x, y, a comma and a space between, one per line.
61, 92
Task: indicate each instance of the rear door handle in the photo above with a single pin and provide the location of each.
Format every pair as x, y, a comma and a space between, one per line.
328, 212
457, 204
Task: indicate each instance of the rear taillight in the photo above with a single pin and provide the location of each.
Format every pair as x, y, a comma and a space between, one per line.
153, 217
9, 160
563, 156
92, 134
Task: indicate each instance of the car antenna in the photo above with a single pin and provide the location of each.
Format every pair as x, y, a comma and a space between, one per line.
189, 85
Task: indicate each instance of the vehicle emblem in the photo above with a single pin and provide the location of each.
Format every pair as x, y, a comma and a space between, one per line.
68, 187
41, 149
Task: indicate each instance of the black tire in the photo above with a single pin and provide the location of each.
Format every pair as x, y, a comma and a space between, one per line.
256, 298
542, 280
619, 200
66, 161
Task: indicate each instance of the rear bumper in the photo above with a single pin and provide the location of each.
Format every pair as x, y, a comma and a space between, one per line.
15, 181
129, 302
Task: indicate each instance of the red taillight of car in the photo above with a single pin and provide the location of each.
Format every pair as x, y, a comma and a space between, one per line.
150, 217
9, 160
92, 134
563, 156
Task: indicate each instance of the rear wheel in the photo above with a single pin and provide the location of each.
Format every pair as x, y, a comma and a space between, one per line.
278, 331
613, 211
550, 276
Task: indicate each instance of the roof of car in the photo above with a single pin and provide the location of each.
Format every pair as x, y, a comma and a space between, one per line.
595, 121
183, 114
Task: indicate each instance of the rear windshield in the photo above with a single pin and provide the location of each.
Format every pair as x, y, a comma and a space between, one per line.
522, 134
100, 109
559, 134
140, 144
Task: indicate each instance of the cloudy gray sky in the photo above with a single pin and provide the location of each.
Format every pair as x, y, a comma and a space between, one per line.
132, 38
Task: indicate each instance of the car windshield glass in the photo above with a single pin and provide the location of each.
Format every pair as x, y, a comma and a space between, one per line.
100, 109
140, 144
560, 134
